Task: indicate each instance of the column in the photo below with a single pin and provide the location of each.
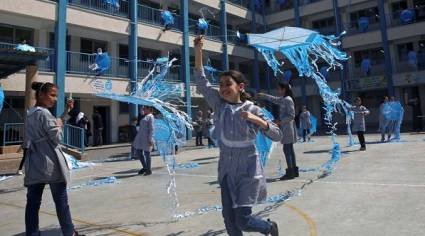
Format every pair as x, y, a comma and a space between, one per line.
132, 52
60, 55
185, 63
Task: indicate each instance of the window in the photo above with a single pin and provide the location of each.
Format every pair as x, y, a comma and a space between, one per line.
371, 13
325, 25
123, 51
403, 50
90, 46
15, 34
52, 41
147, 54
14, 102
376, 56
124, 108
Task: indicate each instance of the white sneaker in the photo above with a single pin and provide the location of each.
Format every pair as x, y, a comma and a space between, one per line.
19, 172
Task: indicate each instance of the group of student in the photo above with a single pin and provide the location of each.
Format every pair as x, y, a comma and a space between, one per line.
236, 120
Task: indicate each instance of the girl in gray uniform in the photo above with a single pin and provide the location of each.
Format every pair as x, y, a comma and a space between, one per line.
240, 173
45, 162
287, 125
359, 125
143, 142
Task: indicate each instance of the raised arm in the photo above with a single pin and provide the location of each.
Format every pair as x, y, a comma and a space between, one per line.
204, 87
270, 98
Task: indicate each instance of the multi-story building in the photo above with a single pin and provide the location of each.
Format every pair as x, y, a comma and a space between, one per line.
92, 24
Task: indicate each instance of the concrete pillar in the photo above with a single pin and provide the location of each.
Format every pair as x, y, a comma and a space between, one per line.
42, 38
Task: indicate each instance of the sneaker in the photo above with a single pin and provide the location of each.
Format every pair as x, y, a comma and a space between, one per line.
141, 172
77, 234
148, 172
363, 149
274, 231
19, 172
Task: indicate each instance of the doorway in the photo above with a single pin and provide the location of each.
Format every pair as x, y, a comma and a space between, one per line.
105, 112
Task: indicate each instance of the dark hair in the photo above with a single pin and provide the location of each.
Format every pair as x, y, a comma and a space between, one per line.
288, 90
43, 88
239, 78
359, 98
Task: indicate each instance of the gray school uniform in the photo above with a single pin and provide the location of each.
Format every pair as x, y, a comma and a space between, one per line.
45, 162
145, 134
358, 120
383, 122
286, 115
239, 161
305, 120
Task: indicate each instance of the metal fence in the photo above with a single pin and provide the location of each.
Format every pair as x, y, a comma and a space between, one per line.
13, 133
74, 137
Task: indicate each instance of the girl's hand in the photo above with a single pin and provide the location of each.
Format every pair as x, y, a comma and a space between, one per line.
248, 116
199, 42
69, 105
59, 122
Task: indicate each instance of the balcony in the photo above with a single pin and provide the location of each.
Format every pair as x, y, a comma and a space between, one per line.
242, 3
353, 28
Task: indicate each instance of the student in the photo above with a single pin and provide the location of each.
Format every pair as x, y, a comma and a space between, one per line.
143, 142
45, 162
240, 173
198, 125
359, 125
287, 125
305, 123
383, 122
209, 124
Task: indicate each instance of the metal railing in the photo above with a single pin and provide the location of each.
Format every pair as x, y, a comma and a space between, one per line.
74, 137
242, 3
102, 6
13, 133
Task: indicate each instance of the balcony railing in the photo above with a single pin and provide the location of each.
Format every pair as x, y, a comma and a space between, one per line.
13, 133
102, 6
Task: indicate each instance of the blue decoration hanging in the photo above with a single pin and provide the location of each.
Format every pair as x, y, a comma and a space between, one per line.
363, 24
167, 18
102, 63
242, 38
113, 3
394, 112
1, 99
407, 16
202, 24
257, 4
287, 76
412, 58
366, 66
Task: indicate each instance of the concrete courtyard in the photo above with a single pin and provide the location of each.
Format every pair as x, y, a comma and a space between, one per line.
377, 192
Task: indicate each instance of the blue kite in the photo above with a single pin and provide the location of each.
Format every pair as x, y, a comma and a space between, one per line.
304, 49
170, 128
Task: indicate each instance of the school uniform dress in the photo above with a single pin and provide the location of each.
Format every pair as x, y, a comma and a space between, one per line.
289, 130
240, 173
143, 142
305, 123
45, 164
359, 124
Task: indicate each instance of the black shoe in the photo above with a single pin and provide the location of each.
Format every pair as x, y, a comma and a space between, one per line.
77, 234
289, 174
363, 149
148, 172
274, 231
141, 172
296, 172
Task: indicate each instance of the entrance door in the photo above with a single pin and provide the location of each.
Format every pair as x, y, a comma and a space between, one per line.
105, 112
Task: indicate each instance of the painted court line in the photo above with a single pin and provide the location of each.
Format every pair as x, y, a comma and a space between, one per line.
116, 229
